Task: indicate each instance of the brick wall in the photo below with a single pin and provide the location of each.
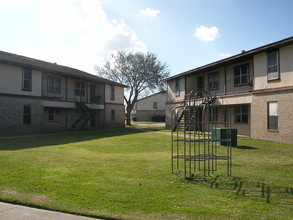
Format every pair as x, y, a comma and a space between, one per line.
146, 115
259, 116
169, 108
119, 121
11, 116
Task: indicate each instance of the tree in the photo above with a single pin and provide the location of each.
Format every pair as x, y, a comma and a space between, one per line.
138, 71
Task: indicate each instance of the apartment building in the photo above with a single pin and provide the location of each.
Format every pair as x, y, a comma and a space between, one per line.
255, 85
38, 96
150, 106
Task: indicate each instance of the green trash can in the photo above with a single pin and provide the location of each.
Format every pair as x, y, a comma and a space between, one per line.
221, 134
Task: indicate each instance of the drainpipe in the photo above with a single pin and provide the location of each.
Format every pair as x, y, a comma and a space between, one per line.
225, 82
66, 89
184, 89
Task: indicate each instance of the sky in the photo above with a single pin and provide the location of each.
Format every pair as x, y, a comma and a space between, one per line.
184, 34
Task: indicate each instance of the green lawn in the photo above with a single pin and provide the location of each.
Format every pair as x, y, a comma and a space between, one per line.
126, 174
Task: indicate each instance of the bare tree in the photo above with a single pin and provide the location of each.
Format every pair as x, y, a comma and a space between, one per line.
138, 71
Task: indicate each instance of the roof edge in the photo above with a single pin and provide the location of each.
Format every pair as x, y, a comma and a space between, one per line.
244, 54
164, 91
24, 61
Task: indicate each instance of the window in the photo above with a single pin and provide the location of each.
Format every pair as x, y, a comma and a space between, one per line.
241, 75
273, 115
54, 114
241, 114
27, 115
79, 89
177, 86
54, 85
273, 65
112, 93
112, 115
27, 79
213, 81
155, 105
213, 114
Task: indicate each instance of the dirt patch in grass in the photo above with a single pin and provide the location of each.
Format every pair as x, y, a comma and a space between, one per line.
8, 192
34, 198
40, 199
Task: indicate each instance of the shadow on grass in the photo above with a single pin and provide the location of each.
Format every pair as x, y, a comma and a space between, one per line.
276, 194
42, 140
242, 147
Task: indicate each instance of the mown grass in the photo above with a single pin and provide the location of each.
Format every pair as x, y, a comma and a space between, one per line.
151, 126
126, 174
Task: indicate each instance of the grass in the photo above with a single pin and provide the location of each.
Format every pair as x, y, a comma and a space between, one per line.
125, 174
151, 126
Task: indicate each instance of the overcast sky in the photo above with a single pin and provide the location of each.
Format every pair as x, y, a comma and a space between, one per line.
183, 33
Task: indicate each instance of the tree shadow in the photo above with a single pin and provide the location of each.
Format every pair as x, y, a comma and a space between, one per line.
42, 140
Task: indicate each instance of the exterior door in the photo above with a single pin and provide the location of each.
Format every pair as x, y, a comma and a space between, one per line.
92, 93
200, 83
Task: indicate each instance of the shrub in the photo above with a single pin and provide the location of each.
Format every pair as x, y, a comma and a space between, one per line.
158, 118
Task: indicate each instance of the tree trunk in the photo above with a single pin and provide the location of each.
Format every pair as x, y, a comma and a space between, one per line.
128, 115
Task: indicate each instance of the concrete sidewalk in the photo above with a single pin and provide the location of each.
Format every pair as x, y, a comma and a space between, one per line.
17, 212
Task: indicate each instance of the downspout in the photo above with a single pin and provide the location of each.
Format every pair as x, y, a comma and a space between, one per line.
225, 82
67, 115
66, 98
104, 121
184, 90
42, 85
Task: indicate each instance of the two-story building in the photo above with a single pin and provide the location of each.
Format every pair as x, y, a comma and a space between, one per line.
255, 85
151, 106
38, 96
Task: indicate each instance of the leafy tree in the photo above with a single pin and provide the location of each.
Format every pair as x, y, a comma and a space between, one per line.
138, 71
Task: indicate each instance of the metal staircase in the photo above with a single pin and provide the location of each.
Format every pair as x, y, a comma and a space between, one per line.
189, 113
84, 118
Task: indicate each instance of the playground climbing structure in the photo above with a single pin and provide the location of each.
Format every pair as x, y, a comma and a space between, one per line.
201, 137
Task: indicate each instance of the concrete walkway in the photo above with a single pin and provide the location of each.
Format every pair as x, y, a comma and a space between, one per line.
17, 212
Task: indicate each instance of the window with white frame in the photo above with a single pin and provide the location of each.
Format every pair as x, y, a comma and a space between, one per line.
54, 85
273, 65
27, 116
241, 75
26, 79
213, 81
177, 86
112, 92
241, 114
54, 114
273, 115
79, 89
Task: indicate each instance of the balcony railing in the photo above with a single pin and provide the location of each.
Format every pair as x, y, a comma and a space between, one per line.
72, 95
225, 88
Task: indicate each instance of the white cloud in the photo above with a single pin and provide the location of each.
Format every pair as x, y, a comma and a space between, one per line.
225, 55
148, 12
206, 33
79, 34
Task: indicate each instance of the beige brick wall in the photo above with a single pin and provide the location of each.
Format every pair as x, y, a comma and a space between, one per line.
146, 115
119, 116
242, 128
169, 108
259, 115
11, 116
